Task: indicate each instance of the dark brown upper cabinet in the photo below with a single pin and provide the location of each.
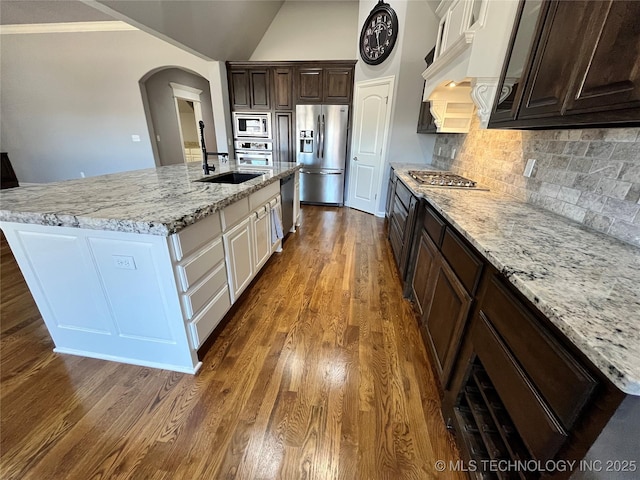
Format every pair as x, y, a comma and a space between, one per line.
426, 122
282, 88
571, 64
309, 84
239, 89
250, 89
324, 84
338, 82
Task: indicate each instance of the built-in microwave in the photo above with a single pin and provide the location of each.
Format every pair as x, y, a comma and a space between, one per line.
252, 125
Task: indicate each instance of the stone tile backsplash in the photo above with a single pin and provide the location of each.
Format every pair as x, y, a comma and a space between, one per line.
591, 176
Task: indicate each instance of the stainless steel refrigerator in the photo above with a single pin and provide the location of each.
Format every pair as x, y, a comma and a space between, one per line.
321, 135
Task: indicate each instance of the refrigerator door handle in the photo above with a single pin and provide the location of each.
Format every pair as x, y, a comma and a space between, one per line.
324, 126
320, 173
318, 137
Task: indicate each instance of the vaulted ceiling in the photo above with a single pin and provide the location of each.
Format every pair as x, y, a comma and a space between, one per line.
217, 30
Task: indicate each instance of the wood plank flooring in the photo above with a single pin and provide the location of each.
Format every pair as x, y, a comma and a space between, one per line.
319, 373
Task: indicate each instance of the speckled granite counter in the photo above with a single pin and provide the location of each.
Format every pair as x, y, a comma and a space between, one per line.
588, 284
158, 201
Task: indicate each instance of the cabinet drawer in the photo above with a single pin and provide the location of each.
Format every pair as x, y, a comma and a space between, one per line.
195, 299
192, 237
261, 196
434, 226
403, 193
235, 212
465, 263
208, 319
538, 427
562, 381
395, 238
399, 216
198, 265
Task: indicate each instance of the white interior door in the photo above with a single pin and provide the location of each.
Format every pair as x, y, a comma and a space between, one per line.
370, 131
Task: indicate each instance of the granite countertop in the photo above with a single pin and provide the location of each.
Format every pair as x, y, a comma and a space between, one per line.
157, 201
586, 283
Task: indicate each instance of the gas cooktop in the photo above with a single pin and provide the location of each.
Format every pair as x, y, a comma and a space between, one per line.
430, 178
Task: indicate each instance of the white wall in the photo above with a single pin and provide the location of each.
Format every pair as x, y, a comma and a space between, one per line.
71, 101
418, 28
305, 30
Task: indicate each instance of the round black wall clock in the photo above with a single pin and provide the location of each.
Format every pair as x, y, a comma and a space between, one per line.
379, 34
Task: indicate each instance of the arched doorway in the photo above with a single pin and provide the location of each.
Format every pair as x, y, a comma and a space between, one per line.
174, 100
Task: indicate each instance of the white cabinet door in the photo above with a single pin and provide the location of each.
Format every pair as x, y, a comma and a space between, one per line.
238, 247
262, 236
452, 25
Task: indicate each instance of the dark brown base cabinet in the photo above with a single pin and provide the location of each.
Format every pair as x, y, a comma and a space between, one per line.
577, 64
445, 276
401, 214
513, 387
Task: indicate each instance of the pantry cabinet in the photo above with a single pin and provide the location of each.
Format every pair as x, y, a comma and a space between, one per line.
571, 64
284, 137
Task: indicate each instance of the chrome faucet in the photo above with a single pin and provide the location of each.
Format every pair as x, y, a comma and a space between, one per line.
205, 155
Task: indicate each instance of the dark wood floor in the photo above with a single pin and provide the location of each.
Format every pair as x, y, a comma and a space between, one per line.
319, 373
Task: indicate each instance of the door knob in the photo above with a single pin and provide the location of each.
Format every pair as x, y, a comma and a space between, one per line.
355, 159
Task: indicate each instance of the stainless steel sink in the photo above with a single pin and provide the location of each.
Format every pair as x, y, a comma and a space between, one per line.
231, 177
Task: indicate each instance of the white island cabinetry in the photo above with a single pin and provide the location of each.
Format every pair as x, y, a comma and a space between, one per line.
141, 298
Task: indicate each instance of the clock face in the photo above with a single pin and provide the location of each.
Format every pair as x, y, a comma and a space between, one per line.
379, 34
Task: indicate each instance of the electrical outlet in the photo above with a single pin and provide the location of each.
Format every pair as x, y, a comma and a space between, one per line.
135, 138
528, 170
158, 138
124, 262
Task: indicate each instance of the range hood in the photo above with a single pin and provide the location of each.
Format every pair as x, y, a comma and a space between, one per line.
472, 41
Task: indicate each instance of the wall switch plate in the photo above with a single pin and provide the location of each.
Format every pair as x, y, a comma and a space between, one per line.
158, 138
135, 138
82, 174
124, 262
453, 153
439, 150
528, 170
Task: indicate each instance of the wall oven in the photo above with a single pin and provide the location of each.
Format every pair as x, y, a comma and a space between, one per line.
252, 125
252, 157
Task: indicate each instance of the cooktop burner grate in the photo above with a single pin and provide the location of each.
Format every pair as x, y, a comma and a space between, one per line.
441, 179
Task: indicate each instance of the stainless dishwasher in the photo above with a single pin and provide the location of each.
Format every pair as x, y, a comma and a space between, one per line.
287, 186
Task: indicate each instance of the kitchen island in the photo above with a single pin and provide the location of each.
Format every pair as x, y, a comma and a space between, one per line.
141, 266
532, 323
